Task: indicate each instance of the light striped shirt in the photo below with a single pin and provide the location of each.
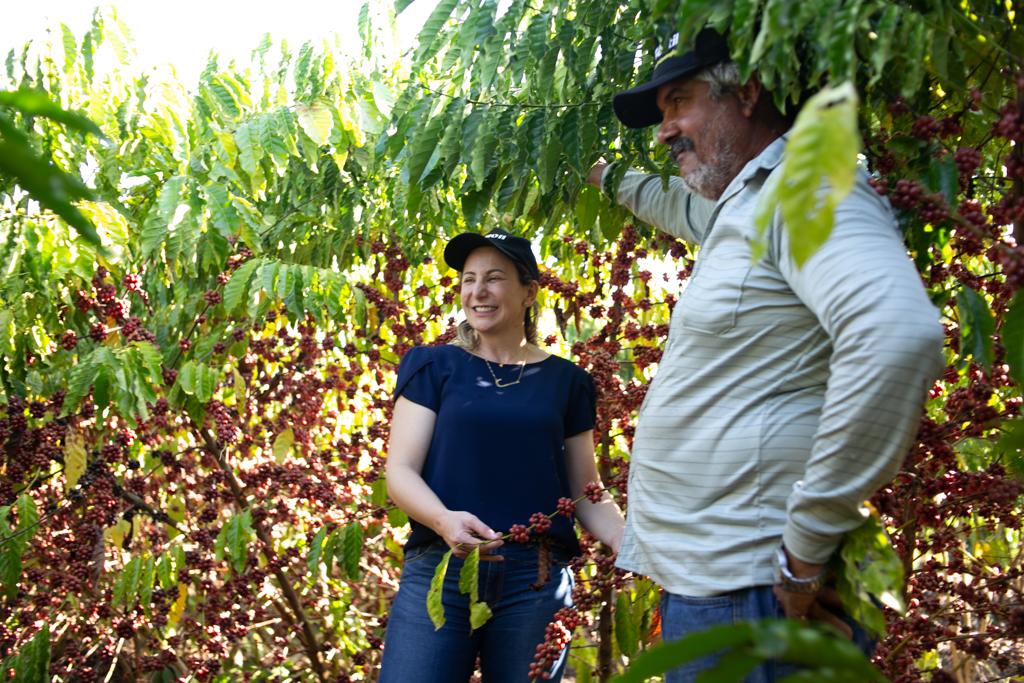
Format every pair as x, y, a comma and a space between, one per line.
785, 396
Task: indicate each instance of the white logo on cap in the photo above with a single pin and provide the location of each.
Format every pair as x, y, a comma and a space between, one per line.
666, 50
496, 236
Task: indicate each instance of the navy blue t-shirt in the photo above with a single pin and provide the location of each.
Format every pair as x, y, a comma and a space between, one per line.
498, 453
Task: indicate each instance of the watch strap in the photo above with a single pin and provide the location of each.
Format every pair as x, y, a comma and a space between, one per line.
785, 579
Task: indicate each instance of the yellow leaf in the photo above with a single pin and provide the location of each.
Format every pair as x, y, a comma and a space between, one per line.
349, 123
226, 149
809, 185
340, 156
175, 508
283, 445
117, 533
316, 120
178, 608
239, 388
74, 458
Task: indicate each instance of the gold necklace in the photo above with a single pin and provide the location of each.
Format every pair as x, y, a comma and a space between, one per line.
497, 382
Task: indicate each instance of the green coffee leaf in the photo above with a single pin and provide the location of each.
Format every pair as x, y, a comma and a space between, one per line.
38, 103
10, 555
163, 216
248, 149
870, 570
627, 635
237, 287
977, 325
1011, 446
316, 548
146, 579
427, 41
809, 185
351, 550
469, 575
479, 614
31, 664
1012, 334
28, 516
82, 377
735, 667
283, 445
668, 655
424, 145
239, 533
435, 608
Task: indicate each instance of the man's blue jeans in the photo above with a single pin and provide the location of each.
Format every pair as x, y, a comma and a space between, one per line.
506, 644
682, 615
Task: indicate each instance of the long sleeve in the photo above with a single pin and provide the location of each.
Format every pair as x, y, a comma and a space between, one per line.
676, 210
886, 350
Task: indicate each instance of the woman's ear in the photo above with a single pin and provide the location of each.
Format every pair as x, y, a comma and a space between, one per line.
531, 293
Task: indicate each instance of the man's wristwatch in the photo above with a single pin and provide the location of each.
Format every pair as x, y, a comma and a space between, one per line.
785, 579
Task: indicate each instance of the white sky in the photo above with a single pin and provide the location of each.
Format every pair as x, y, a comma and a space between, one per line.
182, 33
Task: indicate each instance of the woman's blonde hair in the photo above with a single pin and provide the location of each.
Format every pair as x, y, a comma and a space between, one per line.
467, 338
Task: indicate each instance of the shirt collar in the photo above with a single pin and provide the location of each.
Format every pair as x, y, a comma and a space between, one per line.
762, 165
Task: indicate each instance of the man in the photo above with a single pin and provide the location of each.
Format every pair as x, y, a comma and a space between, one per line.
786, 395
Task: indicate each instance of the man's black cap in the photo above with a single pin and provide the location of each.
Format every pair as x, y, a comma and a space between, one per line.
638, 107
516, 248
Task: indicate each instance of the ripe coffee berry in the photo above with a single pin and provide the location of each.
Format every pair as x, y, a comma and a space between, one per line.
132, 282
540, 522
69, 340
593, 491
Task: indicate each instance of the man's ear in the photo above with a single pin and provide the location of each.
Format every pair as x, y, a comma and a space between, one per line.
748, 94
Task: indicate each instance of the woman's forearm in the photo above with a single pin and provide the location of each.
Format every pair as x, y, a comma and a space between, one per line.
603, 520
412, 495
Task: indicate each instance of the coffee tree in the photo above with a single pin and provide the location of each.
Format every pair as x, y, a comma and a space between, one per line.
196, 367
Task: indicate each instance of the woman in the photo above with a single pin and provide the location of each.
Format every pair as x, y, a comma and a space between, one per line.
486, 432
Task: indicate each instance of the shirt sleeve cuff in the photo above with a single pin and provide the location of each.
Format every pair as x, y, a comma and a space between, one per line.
809, 546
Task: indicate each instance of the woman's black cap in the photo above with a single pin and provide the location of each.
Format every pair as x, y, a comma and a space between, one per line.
638, 107
516, 248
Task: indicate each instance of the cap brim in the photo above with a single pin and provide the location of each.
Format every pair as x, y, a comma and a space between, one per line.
457, 250
638, 107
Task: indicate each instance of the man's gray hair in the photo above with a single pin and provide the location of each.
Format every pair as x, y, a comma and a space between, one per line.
723, 78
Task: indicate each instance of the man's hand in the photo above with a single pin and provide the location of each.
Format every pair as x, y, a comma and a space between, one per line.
812, 606
594, 177
463, 531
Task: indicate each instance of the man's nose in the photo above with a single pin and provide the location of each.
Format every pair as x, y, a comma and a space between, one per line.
667, 132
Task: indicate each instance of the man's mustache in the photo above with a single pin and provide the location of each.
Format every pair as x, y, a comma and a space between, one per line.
682, 144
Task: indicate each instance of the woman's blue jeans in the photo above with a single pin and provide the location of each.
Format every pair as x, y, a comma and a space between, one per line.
505, 645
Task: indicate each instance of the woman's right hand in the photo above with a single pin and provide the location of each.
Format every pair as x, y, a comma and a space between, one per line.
463, 531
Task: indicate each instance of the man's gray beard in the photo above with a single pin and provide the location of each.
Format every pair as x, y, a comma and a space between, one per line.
710, 179
712, 176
